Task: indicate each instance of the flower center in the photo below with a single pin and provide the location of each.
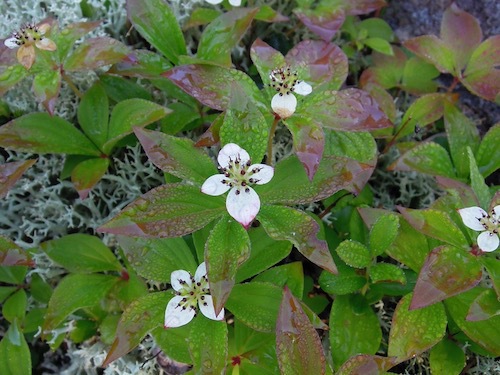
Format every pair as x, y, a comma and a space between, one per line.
283, 80
194, 293
490, 223
239, 175
28, 34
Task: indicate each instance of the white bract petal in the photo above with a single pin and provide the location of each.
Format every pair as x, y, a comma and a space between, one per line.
471, 216
214, 185
214, 1
235, 3
488, 241
230, 153
180, 278
264, 175
284, 105
175, 315
207, 308
11, 43
243, 206
302, 88
201, 271
46, 44
496, 212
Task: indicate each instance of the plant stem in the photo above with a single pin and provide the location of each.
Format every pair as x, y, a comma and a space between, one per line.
71, 85
269, 160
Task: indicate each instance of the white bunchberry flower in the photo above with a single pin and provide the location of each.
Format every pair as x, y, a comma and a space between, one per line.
285, 82
26, 39
478, 219
234, 3
239, 173
190, 291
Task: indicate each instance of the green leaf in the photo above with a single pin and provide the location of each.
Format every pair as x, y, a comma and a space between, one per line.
184, 118
66, 38
156, 22
76, 292
291, 275
208, 346
156, 258
6, 291
87, 174
200, 17
418, 76
284, 223
379, 45
298, 346
485, 306
493, 267
140, 317
15, 358
354, 328
436, 224
81, 253
94, 53
171, 210
224, 33
477, 181
119, 88
10, 76
484, 332
433, 50
488, 154
43, 134
228, 246
415, 331
14, 308
367, 364
142, 64
446, 358
383, 233
343, 283
355, 254
386, 272
173, 342
177, 156
256, 304
129, 114
360, 146
265, 253
13, 274
461, 133
93, 114
46, 87
13, 255
40, 290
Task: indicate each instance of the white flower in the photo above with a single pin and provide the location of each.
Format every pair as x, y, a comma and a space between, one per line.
242, 202
190, 291
234, 3
478, 219
285, 82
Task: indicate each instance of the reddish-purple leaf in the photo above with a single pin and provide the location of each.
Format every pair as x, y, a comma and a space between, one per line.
447, 271
433, 50
298, 346
171, 210
11, 172
350, 109
319, 62
308, 142
96, 52
285, 223
325, 25
13, 255
465, 192
87, 174
265, 59
356, 7
364, 364
211, 85
461, 32
485, 306
46, 87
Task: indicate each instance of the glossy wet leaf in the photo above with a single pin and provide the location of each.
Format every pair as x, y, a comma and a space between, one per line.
15, 358
298, 346
291, 275
173, 342
415, 331
140, 317
284, 223
11, 172
360, 146
265, 253
383, 233
96, 52
488, 154
46, 87
87, 174
485, 306
354, 329
364, 364
66, 38
176, 156
484, 332
227, 246
387, 272
208, 346
323, 24
255, 304
171, 210
141, 63
81, 253
156, 22
223, 34
446, 358
156, 258
42, 133
76, 291
433, 50
129, 114
354, 253
10, 76
93, 114
342, 283
436, 224
212, 85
